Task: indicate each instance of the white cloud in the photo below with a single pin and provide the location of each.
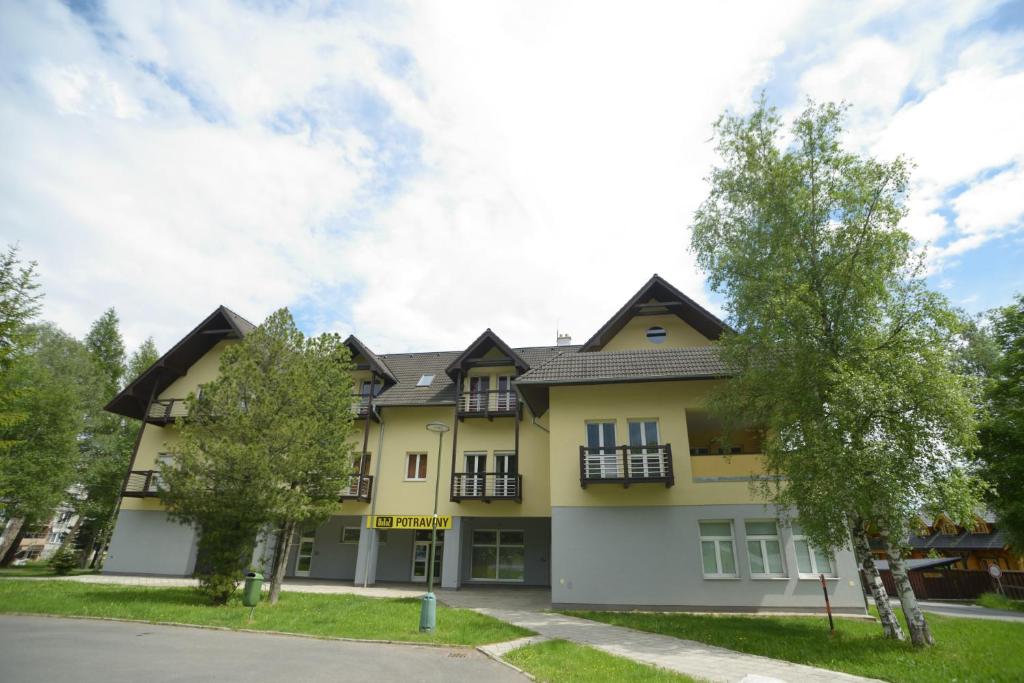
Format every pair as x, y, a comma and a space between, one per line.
203, 153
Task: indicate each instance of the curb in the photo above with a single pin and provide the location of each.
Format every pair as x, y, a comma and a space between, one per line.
375, 641
523, 642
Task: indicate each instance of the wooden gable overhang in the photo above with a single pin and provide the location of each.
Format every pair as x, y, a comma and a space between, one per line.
222, 324
658, 297
370, 361
473, 356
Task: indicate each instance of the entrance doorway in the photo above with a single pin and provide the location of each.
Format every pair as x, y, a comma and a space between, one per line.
421, 555
304, 559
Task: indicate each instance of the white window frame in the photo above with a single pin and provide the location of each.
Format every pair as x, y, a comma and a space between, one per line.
762, 540
799, 536
497, 545
416, 469
344, 532
718, 540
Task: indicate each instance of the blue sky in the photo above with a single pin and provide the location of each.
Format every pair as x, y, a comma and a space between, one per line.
416, 172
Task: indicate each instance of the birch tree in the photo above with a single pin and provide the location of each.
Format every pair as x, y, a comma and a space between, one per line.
841, 353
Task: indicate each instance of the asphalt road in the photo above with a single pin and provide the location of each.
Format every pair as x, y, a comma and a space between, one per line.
51, 650
953, 609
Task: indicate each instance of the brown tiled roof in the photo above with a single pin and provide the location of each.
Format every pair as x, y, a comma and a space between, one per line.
600, 367
409, 367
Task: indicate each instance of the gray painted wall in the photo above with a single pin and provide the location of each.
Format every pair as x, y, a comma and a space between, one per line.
147, 542
537, 552
332, 559
650, 556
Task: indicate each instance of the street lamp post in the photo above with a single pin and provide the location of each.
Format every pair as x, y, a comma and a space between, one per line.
428, 608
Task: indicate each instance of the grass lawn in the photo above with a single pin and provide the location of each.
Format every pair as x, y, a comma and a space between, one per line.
996, 601
344, 616
38, 569
966, 649
564, 662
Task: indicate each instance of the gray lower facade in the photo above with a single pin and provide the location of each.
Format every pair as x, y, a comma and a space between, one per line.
148, 542
651, 557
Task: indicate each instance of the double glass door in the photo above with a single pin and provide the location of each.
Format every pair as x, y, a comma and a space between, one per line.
506, 467
645, 457
475, 480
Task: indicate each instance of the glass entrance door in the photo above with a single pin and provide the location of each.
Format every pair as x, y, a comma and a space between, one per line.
304, 560
421, 555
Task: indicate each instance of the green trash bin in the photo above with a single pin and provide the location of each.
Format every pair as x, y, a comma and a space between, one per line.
253, 584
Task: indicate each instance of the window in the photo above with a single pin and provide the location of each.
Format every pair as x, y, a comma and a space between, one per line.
764, 548
416, 466
382, 536
164, 461
425, 381
810, 561
505, 399
717, 551
656, 334
645, 459
350, 534
364, 388
498, 555
65, 515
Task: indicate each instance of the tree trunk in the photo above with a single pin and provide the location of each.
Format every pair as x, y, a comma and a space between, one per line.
87, 549
100, 554
890, 625
920, 634
284, 546
13, 533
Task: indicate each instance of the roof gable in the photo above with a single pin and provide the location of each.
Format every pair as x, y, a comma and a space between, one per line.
358, 348
222, 324
482, 346
657, 296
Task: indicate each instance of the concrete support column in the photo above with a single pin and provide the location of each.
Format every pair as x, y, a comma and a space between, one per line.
451, 559
366, 555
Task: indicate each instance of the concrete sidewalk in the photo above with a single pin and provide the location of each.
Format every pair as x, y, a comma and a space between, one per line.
682, 656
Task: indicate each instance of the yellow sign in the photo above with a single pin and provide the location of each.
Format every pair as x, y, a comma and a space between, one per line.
408, 522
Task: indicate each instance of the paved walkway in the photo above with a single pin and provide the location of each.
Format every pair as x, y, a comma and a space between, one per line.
967, 611
683, 656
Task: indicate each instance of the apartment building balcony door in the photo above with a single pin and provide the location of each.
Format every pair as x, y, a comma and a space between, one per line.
478, 393
476, 467
506, 467
601, 461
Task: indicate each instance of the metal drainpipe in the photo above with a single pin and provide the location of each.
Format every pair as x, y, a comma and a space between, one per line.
373, 501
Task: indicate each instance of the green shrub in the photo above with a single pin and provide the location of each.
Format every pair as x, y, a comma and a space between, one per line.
64, 561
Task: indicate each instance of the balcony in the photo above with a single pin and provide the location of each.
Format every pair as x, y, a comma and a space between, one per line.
487, 486
142, 484
360, 488
164, 411
489, 404
626, 465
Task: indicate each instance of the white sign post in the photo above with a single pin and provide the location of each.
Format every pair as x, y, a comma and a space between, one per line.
995, 572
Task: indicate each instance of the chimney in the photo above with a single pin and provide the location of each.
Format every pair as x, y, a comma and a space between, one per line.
564, 339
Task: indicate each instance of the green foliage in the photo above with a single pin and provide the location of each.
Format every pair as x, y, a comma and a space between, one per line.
142, 358
1002, 430
339, 616
997, 601
19, 304
63, 562
266, 443
966, 649
841, 353
53, 384
565, 662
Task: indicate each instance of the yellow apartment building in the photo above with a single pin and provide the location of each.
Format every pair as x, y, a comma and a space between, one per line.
593, 469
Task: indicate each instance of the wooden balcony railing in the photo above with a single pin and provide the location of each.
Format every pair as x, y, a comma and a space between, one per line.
497, 402
164, 411
142, 484
651, 464
487, 486
360, 487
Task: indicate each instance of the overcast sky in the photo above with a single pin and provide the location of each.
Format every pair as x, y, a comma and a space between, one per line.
416, 173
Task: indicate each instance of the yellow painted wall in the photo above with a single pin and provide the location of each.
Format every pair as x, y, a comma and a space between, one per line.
573, 406
203, 370
633, 335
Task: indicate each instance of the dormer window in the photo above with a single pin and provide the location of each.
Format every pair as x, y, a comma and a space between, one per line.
656, 334
425, 381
